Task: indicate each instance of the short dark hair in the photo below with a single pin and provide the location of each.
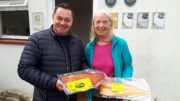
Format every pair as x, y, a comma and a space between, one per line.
65, 6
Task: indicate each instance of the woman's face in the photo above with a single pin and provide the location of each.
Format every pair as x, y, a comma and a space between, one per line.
102, 25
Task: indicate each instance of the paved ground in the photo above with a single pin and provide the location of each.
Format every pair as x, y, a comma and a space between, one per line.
13, 96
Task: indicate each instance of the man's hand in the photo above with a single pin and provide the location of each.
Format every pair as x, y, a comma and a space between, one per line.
60, 86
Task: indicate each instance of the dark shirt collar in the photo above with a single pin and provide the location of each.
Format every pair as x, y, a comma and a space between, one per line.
56, 35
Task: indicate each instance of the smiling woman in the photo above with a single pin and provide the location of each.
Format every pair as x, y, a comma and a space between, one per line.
116, 61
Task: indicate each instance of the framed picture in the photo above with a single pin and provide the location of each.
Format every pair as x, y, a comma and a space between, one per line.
110, 3
130, 2
115, 19
158, 20
142, 20
127, 20
37, 18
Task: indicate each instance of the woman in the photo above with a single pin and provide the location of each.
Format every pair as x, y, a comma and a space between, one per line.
107, 52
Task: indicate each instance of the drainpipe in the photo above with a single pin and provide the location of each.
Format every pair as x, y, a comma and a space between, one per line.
1, 23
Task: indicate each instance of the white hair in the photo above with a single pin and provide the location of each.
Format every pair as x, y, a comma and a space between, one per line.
93, 34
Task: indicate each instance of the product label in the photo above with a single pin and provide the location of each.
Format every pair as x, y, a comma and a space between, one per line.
118, 88
79, 85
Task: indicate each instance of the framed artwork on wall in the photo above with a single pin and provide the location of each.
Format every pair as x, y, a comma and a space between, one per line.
127, 20
130, 3
158, 20
37, 18
110, 3
142, 20
115, 16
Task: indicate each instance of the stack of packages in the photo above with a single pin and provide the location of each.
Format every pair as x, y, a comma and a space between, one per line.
81, 81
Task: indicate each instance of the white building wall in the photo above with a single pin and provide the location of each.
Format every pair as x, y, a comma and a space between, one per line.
9, 79
10, 54
155, 52
44, 7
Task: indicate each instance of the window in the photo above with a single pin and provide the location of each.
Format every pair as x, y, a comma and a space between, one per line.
14, 19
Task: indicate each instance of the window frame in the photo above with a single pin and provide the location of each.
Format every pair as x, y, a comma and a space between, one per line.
14, 39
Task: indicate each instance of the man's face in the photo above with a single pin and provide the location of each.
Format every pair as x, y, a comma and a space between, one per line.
62, 21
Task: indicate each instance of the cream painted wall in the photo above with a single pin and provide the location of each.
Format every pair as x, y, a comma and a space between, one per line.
155, 53
10, 54
9, 79
45, 7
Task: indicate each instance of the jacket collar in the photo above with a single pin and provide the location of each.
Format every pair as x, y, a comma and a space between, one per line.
71, 34
114, 40
55, 35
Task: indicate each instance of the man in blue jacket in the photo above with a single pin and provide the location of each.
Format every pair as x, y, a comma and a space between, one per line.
49, 53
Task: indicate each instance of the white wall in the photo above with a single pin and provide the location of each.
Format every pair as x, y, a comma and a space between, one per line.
9, 79
45, 7
10, 54
155, 52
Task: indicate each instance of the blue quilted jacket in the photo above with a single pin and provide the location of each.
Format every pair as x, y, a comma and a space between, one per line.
43, 58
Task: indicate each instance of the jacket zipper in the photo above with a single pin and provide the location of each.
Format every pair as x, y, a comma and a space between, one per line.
67, 68
66, 57
45, 95
70, 53
67, 98
63, 47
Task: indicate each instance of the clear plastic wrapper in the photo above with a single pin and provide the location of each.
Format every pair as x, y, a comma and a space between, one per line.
81, 81
134, 89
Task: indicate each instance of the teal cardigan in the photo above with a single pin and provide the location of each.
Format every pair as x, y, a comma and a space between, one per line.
121, 57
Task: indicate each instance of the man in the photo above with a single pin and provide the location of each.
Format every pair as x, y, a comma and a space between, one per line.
49, 53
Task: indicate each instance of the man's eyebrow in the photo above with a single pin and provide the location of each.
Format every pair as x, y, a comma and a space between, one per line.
63, 17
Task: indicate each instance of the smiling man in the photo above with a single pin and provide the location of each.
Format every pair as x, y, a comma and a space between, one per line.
62, 20
52, 52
